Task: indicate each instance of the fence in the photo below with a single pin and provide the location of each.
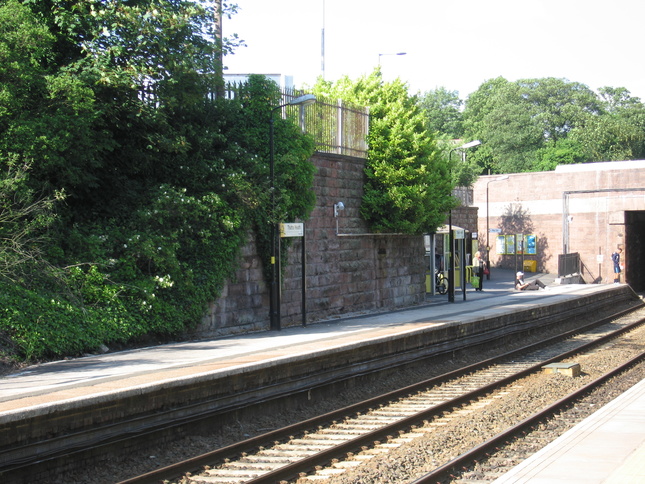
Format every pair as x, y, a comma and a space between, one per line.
336, 128
465, 194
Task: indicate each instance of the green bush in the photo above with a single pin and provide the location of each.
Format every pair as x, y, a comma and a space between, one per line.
161, 182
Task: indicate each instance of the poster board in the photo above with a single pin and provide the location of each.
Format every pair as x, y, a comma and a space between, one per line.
510, 244
519, 244
500, 244
531, 244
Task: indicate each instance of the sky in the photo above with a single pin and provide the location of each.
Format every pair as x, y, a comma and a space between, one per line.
454, 44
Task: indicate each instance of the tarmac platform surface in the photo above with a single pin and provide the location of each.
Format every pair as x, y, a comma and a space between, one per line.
38, 387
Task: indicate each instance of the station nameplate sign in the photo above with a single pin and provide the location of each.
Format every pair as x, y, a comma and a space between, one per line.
292, 230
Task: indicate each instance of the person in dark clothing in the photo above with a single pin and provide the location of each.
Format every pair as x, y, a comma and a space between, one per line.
615, 257
521, 285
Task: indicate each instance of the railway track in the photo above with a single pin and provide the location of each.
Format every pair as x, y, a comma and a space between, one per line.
469, 467
320, 448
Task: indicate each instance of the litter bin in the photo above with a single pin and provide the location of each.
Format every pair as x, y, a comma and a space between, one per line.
530, 266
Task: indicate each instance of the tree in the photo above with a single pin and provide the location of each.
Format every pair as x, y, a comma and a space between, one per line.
25, 46
609, 138
559, 104
497, 115
407, 186
442, 109
623, 134
515, 120
565, 151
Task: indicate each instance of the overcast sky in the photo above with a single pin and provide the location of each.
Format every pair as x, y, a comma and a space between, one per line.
456, 44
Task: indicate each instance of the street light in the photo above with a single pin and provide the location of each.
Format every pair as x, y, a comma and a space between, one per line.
470, 144
499, 178
451, 240
398, 53
274, 296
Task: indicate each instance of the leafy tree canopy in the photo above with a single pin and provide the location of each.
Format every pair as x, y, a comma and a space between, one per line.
443, 111
533, 124
407, 186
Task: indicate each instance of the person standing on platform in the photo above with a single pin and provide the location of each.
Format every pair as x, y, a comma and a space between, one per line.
478, 270
618, 267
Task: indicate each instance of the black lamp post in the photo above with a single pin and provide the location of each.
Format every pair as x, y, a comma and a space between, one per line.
274, 295
451, 239
503, 177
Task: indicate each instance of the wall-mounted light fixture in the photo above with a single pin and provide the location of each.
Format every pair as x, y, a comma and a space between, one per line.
338, 207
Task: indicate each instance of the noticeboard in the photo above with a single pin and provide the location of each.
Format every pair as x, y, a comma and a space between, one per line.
501, 244
516, 244
510, 244
519, 244
530, 244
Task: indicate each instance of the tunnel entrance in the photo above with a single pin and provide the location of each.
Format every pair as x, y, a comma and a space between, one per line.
635, 249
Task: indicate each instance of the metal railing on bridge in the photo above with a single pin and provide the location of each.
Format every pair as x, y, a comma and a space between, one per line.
336, 127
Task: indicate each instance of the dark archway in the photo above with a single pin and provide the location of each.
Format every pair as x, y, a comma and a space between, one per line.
635, 249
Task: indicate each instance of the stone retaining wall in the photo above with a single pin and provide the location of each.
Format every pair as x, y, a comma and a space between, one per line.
348, 270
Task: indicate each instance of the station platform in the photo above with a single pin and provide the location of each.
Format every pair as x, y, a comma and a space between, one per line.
95, 382
59, 381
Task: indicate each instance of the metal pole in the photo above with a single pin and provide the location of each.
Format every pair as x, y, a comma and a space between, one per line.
451, 248
487, 235
219, 54
451, 263
463, 267
451, 282
500, 178
274, 293
278, 289
304, 279
273, 317
322, 43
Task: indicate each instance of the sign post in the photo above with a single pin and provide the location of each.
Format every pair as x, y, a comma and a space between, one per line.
298, 230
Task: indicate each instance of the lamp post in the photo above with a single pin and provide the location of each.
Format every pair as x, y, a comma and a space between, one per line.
451, 240
397, 53
274, 295
499, 178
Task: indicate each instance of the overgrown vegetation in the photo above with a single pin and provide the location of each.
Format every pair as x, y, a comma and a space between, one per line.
408, 184
133, 188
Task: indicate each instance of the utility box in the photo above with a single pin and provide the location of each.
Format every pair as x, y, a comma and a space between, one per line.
530, 266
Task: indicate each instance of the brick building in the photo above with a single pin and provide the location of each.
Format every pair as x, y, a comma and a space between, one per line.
588, 209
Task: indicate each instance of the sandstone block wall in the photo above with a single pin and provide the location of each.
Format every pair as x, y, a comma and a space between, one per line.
347, 269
